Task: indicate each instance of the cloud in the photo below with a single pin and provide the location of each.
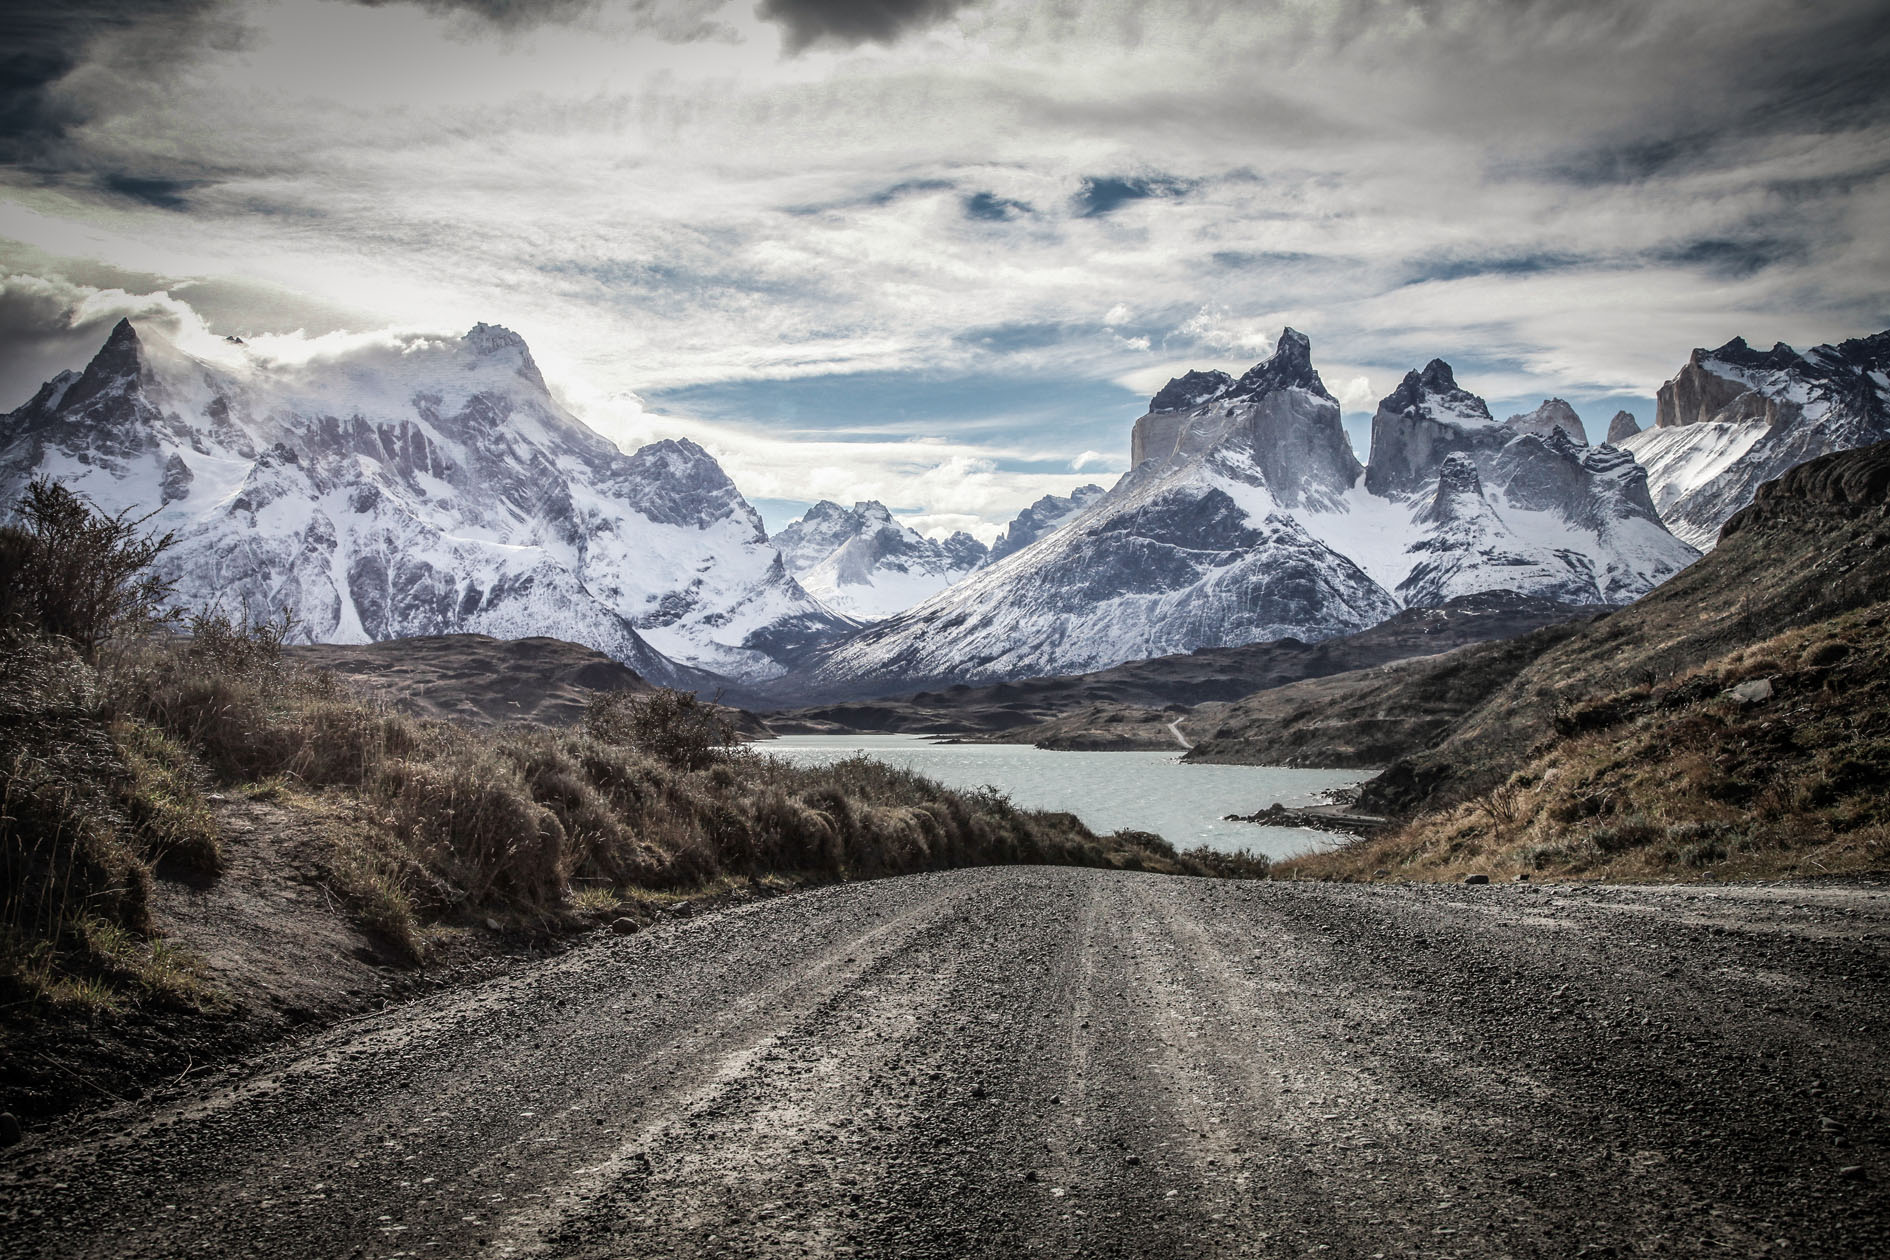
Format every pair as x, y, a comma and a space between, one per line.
850, 22
1555, 197
49, 324
46, 43
504, 14
1354, 393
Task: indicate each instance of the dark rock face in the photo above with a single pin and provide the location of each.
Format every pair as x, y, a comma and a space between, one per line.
1049, 512
1622, 427
1423, 422
435, 489
1191, 390
1289, 368
1845, 483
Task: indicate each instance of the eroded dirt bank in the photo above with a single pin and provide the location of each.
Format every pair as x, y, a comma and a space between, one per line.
1030, 1060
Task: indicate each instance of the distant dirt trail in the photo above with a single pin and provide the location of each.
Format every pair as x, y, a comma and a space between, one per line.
1174, 728
1031, 1061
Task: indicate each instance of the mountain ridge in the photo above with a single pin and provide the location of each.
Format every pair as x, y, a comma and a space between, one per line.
1245, 516
425, 488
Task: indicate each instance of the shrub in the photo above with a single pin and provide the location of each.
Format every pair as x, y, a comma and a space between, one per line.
71, 572
673, 726
1631, 832
68, 854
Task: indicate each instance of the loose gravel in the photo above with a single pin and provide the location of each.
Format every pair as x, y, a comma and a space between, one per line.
1021, 1061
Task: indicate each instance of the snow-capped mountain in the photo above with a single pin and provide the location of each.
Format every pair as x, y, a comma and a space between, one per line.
1049, 513
1735, 418
424, 487
1246, 517
1467, 504
862, 562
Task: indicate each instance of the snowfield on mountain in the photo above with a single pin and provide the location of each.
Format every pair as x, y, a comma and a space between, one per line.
861, 562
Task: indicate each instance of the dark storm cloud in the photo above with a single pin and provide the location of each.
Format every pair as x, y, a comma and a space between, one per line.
1735, 258
1824, 77
45, 43
849, 22
508, 15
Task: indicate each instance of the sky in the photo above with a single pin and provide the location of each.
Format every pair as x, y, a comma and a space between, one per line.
939, 253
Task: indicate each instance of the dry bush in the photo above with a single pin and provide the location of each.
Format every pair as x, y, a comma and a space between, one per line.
672, 726
68, 854
68, 571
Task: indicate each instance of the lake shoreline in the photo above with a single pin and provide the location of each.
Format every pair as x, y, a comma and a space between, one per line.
1186, 803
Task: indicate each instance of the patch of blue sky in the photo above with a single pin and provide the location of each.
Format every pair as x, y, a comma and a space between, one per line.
1028, 421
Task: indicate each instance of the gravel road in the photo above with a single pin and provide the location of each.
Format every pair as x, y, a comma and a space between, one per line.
1022, 1061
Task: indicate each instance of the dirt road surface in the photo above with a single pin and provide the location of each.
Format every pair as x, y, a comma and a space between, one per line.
1030, 1061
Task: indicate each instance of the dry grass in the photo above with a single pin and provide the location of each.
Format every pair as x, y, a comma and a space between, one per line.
430, 823
1682, 778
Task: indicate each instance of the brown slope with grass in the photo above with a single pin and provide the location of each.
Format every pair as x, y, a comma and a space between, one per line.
1369, 717
200, 832
1736, 720
477, 680
474, 677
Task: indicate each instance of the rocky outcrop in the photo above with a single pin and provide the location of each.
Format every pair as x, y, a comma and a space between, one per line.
1553, 416
1622, 427
1844, 483
1735, 418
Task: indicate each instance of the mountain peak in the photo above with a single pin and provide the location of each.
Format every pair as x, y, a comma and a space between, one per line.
1459, 491
118, 363
1553, 416
1437, 377
1740, 354
1190, 390
1290, 367
1435, 384
495, 341
1622, 427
